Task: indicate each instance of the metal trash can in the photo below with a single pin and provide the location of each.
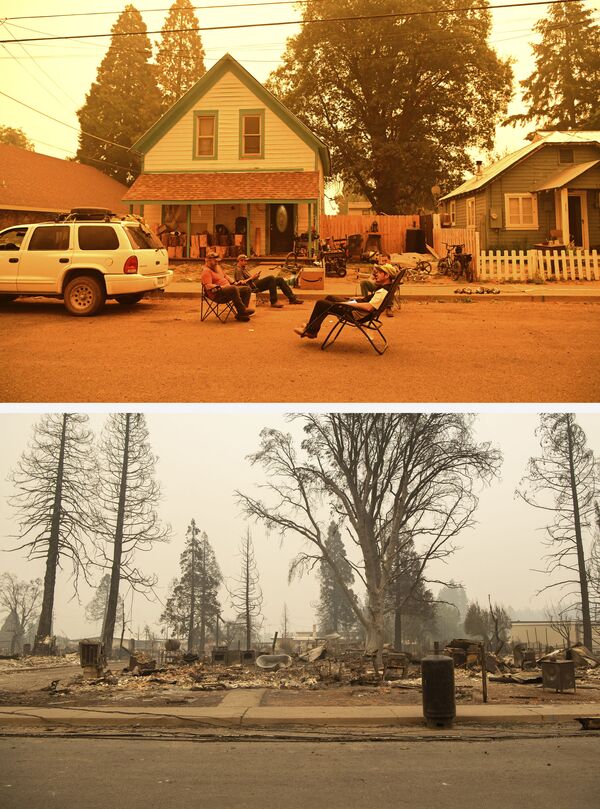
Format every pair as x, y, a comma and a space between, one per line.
558, 674
437, 678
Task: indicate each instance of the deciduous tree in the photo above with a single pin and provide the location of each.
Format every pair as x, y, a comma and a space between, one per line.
15, 137
562, 91
392, 478
193, 603
54, 480
126, 521
401, 101
20, 599
491, 625
122, 103
563, 480
180, 57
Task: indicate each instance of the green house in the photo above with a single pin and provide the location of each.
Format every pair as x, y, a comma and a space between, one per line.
545, 195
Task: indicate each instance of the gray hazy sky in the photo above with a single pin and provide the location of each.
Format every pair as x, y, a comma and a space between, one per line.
54, 77
199, 469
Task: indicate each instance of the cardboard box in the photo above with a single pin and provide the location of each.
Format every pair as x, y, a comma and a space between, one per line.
311, 278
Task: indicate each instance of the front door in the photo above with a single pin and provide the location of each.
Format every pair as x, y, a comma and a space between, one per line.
576, 224
281, 228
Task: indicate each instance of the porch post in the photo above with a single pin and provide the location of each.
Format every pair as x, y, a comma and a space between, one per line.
248, 243
564, 215
310, 227
188, 236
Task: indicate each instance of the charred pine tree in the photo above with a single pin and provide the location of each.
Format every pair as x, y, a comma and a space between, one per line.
54, 480
126, 520
564, 481
246, 596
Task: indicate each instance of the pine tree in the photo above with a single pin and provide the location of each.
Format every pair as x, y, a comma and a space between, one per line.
563, 480
122, 103
193, 604
411, 603
246, 597
126, 521
334, 611
180, 58
54, 480
563, 90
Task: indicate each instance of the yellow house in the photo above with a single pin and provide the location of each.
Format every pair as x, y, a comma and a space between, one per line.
229, 165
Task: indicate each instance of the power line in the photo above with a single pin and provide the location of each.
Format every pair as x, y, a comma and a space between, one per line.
69, 126
354, 18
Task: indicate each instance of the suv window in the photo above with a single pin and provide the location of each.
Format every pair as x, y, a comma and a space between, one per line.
97, 237
142, 239
11, 240
50, 237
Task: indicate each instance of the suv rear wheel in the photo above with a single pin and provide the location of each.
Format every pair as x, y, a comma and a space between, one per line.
130, 298
84, 296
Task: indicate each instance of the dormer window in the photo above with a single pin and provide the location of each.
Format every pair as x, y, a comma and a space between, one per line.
252, 133
205, 135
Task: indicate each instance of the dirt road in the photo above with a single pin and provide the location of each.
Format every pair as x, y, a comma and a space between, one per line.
159, 351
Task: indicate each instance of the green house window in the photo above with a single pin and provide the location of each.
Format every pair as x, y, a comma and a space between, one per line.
251, 134
206, 135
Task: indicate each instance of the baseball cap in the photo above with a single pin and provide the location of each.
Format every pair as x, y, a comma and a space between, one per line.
243, 255
388, 269
212, 254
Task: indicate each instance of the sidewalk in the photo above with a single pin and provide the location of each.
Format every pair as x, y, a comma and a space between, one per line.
242, 711
442, 290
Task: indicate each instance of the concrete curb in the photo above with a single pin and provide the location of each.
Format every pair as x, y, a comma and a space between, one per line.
252, 717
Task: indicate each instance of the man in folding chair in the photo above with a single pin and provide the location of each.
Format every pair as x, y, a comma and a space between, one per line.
221, 289
269, 283
383, 274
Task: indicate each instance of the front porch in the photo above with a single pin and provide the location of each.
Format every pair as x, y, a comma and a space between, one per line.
256, 213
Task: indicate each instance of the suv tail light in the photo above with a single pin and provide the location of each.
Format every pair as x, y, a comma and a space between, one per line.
131, 265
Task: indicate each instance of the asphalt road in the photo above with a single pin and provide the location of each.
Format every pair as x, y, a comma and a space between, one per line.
159, 351
98, 773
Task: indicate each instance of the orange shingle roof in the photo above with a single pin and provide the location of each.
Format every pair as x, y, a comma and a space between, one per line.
221, 186
36, 182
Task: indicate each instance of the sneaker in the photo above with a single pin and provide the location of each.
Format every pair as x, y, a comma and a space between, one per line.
248, 312
303, 333
296, 301
244, 318
276, 305
389, 313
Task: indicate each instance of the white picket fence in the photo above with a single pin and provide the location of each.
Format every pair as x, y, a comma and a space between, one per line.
513, 265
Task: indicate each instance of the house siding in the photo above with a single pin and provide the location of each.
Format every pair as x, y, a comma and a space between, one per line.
283, 149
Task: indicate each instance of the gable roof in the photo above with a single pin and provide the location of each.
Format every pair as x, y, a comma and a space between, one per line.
35, 182
565, 176
541, 139
187, 102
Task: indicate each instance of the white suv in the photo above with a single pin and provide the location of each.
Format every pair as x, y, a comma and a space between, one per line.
88, 257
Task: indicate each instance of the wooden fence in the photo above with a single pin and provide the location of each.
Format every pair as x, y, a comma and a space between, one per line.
468, 237
391, 228
513, 265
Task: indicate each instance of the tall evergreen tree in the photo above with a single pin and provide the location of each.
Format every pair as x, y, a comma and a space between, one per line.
563, 90
54, 479
126, 521
411, 602
564, 481
122, 103
193, 602
180, 58
334, 611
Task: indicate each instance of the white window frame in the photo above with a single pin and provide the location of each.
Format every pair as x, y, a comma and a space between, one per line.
470, 212
452, 212
510, 224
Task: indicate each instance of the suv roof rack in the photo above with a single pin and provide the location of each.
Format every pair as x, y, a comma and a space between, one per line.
88, 215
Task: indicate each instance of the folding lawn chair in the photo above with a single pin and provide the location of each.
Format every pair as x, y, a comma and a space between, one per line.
369, 324
210, 307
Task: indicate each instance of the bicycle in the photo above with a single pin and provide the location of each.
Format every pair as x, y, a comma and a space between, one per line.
450, 263
300, 250
465, 266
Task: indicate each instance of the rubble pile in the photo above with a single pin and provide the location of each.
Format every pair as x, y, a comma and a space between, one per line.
38, 661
